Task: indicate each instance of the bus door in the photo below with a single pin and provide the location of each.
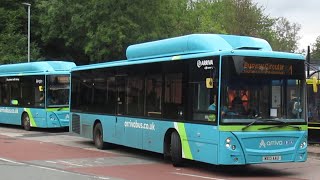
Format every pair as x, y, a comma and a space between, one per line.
120, 107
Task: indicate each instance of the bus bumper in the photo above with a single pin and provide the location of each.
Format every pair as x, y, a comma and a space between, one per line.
263, 147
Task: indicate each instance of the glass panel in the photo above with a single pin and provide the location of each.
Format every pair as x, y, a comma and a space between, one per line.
313, 104
58, 90
154, 95
274, 92
173, 107
135, 96
203, 83
39, 91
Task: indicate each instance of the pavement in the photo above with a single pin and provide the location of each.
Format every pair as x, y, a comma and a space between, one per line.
314, 150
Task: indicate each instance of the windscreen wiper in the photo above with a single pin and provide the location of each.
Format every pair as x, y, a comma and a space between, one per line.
250, 124
282, 124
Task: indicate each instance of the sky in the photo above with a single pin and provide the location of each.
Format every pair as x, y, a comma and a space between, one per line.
303, 12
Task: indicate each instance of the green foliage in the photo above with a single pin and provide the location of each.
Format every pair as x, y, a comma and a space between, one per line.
13, 33
89, 31
315, 50
285, 35
101, 30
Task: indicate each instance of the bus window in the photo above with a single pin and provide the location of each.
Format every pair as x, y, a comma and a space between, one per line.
203, 83
135, 95
154, 95
248, 93
58, 90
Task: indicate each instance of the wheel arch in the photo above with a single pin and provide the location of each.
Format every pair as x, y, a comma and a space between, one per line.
21, 118
167, 142
97, 121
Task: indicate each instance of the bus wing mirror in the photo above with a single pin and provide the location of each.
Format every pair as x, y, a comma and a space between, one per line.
14, 102
209, 83
315, 84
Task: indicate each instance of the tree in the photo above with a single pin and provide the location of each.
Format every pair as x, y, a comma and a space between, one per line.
89, 31
99, 30
243, 17
315, 50
285, 35
13, 34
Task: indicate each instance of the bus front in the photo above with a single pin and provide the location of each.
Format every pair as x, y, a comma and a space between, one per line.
57, 100
262, 110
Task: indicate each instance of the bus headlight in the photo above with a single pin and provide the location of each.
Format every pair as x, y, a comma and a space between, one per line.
52, 118
229, 144
303, 144
228, 141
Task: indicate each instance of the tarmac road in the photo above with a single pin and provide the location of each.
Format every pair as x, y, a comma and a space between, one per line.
56, 154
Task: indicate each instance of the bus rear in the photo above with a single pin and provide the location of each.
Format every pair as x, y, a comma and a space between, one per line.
262, 110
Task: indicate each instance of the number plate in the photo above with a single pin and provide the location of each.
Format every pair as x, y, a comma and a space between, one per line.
271, 158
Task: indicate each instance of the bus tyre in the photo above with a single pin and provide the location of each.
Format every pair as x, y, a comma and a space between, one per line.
26, 122
176, 150
98, 136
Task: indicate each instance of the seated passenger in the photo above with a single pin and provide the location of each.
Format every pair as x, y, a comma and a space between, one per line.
237, 106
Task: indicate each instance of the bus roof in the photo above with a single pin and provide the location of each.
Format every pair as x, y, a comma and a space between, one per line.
36, 67
194, 43
193, 46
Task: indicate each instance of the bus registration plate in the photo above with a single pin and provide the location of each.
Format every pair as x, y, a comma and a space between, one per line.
271, 158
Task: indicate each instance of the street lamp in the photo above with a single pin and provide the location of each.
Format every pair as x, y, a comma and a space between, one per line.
29, 5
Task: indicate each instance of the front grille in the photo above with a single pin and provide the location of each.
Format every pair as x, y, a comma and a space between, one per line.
75, 123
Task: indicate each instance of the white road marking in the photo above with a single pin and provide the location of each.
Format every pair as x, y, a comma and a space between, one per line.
72, 164
197, 176
51, 169
51, 162
13, 162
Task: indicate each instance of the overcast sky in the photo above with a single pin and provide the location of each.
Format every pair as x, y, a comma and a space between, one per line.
304, 12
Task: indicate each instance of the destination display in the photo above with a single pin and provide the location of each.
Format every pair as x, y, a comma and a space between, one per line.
266, 68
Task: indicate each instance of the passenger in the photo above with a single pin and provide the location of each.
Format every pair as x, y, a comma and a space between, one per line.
244, 98
212, 109
237, 106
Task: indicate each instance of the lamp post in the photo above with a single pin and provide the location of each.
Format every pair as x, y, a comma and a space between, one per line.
29, 5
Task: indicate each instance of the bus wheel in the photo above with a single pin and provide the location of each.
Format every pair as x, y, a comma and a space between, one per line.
26, 122
176, 150
98, 136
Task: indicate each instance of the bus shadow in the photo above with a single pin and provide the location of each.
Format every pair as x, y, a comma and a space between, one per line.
241, 171
34, 131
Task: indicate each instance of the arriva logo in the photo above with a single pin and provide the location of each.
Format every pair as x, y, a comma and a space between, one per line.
264, 144
201, 63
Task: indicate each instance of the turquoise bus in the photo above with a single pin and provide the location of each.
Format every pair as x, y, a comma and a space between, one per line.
218, 99
35, 94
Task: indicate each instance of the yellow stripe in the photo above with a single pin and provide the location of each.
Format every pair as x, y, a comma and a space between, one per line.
32, 121
184, 141
313, 127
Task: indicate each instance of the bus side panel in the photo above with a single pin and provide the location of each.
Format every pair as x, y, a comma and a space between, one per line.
153, 134
109, 132
141, 133
37, 117
11, 115
57, 118
86, 125
203, 141
133, 134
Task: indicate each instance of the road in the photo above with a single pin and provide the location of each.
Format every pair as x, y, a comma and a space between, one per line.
57, 154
